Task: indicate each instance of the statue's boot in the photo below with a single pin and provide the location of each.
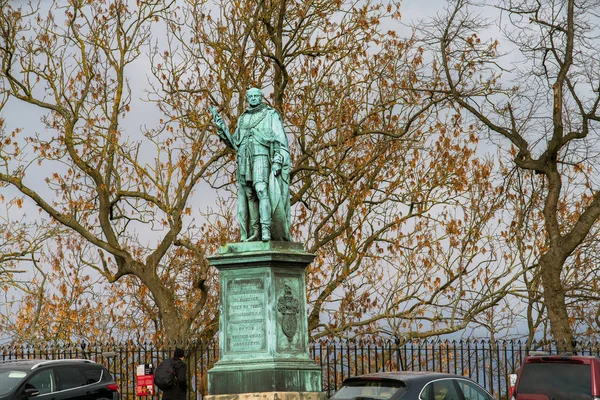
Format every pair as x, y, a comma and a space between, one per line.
266, 233
265, 212
255, 233
254, 214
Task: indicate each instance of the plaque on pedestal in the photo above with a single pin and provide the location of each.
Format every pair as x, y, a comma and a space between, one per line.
263, 335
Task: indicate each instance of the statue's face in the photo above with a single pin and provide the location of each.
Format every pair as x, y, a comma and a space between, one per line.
254, 97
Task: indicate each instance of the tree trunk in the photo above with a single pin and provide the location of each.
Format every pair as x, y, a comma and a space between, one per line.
551, 265
174, 325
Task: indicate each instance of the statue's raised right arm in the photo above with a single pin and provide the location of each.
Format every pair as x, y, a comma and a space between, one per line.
222, 129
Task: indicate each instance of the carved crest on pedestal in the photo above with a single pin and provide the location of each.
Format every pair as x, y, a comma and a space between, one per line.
288, 305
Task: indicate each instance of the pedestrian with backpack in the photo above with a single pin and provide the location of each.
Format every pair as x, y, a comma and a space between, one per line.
170, 377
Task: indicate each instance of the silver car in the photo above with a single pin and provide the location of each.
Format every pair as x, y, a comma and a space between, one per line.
411, 385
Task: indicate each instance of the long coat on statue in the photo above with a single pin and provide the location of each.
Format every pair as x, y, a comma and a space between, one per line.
260, 132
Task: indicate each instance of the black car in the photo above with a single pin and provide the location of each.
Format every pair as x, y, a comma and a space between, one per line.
56, 380
411, 385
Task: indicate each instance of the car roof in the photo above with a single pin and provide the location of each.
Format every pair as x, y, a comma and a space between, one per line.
407, 376
33, 363
558, 358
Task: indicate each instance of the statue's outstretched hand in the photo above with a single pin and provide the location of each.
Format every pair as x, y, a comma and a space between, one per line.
217, 119
219, 122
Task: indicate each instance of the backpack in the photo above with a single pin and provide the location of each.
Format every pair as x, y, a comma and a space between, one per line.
165, 376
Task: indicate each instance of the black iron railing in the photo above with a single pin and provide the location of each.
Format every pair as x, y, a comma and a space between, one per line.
488, 362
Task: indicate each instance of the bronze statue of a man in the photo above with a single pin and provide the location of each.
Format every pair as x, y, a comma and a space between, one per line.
263, 170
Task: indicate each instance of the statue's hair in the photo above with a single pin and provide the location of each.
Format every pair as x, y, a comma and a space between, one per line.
254, 90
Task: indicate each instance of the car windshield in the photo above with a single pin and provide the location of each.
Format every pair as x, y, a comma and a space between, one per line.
10, 379
370, 389
560, 381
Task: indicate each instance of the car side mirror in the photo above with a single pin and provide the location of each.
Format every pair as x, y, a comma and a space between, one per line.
30, 392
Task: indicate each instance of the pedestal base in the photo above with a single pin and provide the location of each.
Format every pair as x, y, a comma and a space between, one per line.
252, 377
269, 396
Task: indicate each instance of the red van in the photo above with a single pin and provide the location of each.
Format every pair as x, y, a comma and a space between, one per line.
558, 377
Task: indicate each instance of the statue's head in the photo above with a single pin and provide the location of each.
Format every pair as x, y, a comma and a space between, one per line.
254, 96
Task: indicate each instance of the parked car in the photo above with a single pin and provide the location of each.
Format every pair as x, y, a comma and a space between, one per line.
558, 377
56, 379
410, 385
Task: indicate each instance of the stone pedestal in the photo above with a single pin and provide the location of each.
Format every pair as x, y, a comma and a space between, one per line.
263, 333
270, 396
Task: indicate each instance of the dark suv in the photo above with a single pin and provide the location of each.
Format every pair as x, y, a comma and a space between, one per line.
557, 377
56, 380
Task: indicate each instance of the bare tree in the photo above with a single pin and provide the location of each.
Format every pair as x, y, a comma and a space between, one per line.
546, 107
382, 183
386, 190
71, 63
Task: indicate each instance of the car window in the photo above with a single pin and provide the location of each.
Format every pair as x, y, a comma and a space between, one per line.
442, 389
69, 377
93, 373
471, 391
10, 379
426, 393
556, 380
43, 381
380, 389
106, 376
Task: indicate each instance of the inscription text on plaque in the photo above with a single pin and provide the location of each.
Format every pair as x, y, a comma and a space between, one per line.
246, 315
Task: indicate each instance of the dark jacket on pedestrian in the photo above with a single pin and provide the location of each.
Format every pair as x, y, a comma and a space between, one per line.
179, 391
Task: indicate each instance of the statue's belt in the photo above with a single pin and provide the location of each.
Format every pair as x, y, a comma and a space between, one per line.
249, 138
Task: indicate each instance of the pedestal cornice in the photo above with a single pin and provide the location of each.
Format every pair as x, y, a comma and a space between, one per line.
249, 254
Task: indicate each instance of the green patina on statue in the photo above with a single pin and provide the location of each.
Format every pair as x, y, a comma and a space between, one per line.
263, 170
